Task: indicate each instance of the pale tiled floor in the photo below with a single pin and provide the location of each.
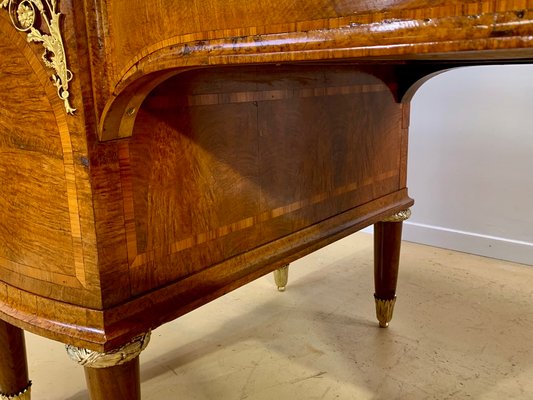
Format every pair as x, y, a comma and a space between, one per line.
462, 330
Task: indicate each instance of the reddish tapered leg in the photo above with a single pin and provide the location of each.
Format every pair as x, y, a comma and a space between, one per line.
14, 382
387, 242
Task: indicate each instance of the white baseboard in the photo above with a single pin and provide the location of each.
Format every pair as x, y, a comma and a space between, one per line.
468, 242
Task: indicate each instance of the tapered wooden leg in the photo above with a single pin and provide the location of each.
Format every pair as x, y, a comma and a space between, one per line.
281, 277
121, 382
387, 242
14, 382
115, 374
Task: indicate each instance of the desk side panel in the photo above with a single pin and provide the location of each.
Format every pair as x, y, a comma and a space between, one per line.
227, 160
47, 241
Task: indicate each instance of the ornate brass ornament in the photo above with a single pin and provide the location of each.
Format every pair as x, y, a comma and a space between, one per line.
95, 359
399, 216
25, 394
24, 14
281, 277
384, 311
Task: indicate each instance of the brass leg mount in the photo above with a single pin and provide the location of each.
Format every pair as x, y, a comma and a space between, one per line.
122, 355
399, 216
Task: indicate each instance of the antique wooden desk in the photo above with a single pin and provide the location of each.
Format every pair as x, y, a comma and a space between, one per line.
163, 153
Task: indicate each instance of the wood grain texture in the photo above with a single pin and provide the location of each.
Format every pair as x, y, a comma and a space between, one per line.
13, 368
119, 383
300, 147
27, 161
249, 134
201, 33
214, 142
387, 243
41, 246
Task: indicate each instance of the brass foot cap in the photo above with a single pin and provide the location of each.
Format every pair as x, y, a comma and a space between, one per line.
384, 311
281, 277
24, 394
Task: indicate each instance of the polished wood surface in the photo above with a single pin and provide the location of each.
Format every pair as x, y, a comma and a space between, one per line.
118, 382
13, 367
387, 239
208, 33
306, 152
213, 142
301, 147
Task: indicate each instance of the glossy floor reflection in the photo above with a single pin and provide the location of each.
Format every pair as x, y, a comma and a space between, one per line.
462, 330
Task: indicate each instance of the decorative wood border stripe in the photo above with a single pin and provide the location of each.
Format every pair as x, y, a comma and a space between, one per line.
79, 278
135, 259
208, 99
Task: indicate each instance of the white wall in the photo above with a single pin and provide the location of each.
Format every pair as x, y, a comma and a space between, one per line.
471, 162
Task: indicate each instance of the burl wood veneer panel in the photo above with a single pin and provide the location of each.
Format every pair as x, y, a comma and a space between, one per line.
223, 161
42, 249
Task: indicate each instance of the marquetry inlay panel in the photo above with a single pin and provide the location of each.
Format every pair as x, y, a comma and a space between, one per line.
40, 231
180, 186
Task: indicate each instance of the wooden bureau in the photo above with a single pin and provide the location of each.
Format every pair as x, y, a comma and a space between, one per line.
160, 154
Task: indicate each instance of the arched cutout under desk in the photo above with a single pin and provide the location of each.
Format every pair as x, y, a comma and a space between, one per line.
469, 142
